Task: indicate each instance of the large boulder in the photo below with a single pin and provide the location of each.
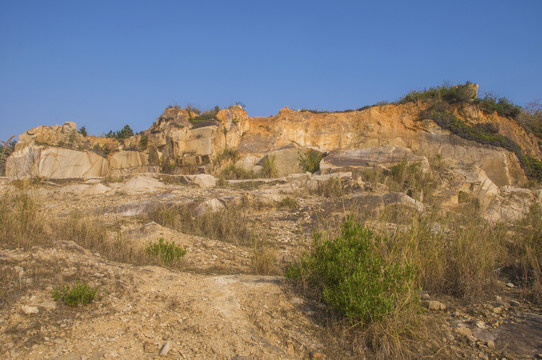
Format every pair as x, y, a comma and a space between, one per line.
382, 157
130, 162
285, 161
55, 163
57, 135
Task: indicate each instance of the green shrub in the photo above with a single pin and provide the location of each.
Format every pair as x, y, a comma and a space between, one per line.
166, 251
310, 160
531, 119
289, 203
83, 131
124, 133
502, 106
450, 94
233, 172
350, 274
143, 142
270, 167
80, 293
6, 148
411, 178
331, 188
207, 118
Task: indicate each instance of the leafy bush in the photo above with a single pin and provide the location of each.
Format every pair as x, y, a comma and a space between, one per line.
310, 160
289, 203
502, 106
143, 142
531, 119
331, 188
124, 133
207, 118
413, 179
350, 274
233, 172
83, 131
166, 251
80, 293
270, 167
6, 148
450, 94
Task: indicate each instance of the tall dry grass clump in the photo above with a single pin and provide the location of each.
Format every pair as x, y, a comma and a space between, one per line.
527, 252
22, 220
92, 232
456, 256
230, 224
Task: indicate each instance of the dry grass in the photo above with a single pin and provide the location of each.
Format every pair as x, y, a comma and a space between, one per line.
264, 260
92, 232
22, 220
230, 224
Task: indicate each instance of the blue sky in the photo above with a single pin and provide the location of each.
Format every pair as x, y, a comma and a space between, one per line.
104, 64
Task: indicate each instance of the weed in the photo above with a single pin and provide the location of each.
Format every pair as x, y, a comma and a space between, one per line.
166, 251
21, 220
80, 293
230, 224
233, 172
289, 203
143, 142
527, 248
270, 167
310, 160
264, 260
332, 188
412, 179
6, 148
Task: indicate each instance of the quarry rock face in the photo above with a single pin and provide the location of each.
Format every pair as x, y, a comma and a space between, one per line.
381, 156
55, 163
378, 137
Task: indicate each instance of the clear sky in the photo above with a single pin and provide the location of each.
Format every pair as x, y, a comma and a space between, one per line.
104, 64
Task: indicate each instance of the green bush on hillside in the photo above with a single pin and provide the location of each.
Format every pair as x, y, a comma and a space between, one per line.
351, 276
502, 106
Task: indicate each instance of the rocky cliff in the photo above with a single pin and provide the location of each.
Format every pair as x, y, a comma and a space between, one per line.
174, 144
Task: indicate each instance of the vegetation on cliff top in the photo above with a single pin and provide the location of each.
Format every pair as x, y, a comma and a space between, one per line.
485, 134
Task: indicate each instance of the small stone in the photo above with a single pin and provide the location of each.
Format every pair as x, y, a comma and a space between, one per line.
514, 302
149, 347
491, 344
498, 299
480, 325
317, 355
463, 331
497, 310
165, 348
510, 285
28, 310
436, 305
48, 305
456, 313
